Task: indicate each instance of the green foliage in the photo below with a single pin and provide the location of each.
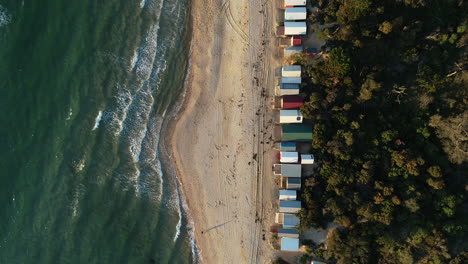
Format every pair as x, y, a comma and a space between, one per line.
386, 27
352, 10
390, 116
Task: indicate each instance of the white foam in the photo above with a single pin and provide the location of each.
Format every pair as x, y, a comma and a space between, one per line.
70, 113
5, 17
142, 3
134, 59
98, 119
179, 212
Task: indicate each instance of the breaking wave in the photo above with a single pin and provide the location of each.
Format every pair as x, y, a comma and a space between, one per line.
98, 119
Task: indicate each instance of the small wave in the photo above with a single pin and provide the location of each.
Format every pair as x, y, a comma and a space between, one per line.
98, 119
179, 212
5, 17
74, 205
142, 3
70, 113
134, 59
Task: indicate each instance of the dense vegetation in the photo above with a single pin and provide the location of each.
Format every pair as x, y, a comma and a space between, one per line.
388, 104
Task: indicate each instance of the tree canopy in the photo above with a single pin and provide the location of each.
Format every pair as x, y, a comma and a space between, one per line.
388, 104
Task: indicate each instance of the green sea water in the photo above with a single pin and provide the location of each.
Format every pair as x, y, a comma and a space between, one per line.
85, 88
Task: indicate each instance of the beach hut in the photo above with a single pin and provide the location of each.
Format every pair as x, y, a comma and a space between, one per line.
293, 183
287, 195
291, 102
291, 170
307, 159
295, 14
295, 28
296, 40
290, 221
292, 3
287, 220
297, 80
294, 50
289, 88
290, 206
289, 157
296, 133
288, 170
288, 232
291, 71
290, 116
289, 244
287, 146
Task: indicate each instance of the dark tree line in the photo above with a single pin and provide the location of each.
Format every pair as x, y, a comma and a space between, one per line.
389, 108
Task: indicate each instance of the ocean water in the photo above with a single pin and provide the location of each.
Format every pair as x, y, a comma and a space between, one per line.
85, 87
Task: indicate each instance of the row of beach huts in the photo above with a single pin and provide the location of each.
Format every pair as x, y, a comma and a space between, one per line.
294, 132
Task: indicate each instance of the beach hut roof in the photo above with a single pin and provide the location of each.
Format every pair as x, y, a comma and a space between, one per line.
289, 244
307, 159
292, 102
294, 2
295, 13
297, 80
291, 71
295, 28
290, 204
290, 112
289, 157
287, 195
288, 146
296, 133
290, 116
292, 86
290, 220
291, 170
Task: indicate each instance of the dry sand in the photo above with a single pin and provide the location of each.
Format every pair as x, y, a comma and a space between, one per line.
221, 143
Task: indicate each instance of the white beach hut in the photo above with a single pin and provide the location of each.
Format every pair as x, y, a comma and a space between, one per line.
290, 116
291, 71
295, 28
295, 13
290, 3
289, 157
307, 159
288, 195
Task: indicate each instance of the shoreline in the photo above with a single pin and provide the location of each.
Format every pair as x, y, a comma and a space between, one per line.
252, 216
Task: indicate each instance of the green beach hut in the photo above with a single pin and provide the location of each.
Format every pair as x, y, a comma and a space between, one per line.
296, 133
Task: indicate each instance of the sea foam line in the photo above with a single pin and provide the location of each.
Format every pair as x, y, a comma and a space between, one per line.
98, 119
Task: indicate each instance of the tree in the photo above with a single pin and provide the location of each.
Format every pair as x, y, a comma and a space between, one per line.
386, 27
453, 132
352, 10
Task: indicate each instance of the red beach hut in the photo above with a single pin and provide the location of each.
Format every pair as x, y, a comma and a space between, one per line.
292, 102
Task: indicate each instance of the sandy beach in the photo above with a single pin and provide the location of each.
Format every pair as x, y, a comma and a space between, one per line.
222, 140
